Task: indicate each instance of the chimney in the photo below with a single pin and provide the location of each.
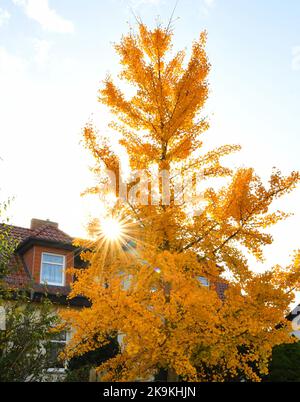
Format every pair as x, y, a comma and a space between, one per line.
36, 223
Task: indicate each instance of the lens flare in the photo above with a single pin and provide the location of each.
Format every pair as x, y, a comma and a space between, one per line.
112, 229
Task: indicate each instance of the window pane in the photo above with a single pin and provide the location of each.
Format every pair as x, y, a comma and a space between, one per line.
57, 259
204, 281
57, 345
52, 273
60, 336
55, 350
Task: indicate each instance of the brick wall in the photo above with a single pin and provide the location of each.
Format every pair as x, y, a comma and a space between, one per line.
33, 258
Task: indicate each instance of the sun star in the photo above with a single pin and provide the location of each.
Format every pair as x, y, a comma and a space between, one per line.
111, 229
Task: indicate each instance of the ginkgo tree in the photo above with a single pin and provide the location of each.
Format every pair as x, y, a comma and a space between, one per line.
161, 233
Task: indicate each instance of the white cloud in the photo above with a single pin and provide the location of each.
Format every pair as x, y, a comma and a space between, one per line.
209, 3
10, 65
40, 11
42, 48
206, 6
138, 3
41, 116
4, 16
155, 2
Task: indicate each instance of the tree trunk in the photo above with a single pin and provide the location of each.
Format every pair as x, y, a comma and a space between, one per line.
171, 375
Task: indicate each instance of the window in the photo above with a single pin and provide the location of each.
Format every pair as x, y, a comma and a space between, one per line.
52, 269
204, 281
126, 282
57, 345
2, 319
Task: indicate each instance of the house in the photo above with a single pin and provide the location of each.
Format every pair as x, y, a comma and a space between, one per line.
41, 261
294, 317
40, 266
43, 256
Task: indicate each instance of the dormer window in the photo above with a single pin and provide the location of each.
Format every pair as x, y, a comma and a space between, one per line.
53, 269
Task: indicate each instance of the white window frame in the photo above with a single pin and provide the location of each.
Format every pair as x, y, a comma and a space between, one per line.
60, 370
53, 263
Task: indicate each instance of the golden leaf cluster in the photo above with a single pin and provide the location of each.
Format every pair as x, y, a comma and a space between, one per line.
149, 291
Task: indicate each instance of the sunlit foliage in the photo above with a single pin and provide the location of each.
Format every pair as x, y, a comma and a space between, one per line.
145, 286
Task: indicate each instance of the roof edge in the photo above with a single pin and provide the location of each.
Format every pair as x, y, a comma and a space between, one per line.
32, 241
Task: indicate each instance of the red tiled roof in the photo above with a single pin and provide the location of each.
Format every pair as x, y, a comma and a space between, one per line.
48, 232
45, 232
19, 277
16, 232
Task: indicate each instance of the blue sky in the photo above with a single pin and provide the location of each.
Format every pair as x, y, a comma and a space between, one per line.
53, 55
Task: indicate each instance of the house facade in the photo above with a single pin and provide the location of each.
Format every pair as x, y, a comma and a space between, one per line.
294, 317
40, 264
